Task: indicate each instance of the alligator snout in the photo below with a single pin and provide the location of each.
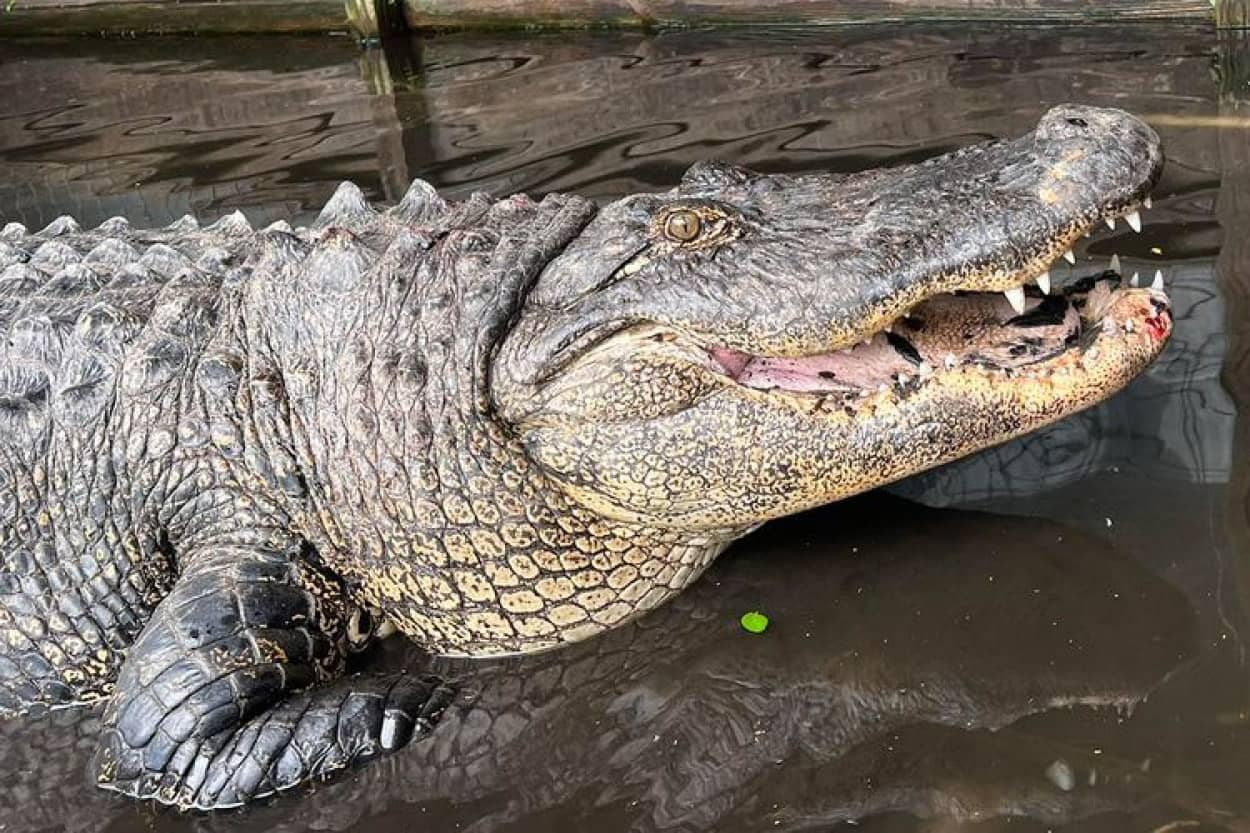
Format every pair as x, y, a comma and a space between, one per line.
1097, 152
1096, 124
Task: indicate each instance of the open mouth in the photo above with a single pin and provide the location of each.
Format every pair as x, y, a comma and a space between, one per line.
1032, 331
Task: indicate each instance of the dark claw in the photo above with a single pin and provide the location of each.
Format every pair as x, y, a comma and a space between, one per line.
397, 726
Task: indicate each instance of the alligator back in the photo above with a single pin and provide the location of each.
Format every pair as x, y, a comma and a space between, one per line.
99, 329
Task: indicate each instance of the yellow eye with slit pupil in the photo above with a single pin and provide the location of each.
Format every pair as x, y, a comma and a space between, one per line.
682, 226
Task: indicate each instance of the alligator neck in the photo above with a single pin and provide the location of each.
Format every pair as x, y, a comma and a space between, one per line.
391, 459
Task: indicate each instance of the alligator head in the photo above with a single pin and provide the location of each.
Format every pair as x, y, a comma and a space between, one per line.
748, 345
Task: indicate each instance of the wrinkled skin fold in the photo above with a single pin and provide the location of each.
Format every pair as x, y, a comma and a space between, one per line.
232, 457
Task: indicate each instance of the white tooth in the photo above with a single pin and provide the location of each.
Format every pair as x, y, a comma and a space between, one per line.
1148, 202
1015, 297
1115, 263
1110, 222
1043, 283
1135, 281
889, 328
1069, 257
950, 360
903, 378
1157, 283
867, 341
1134, 221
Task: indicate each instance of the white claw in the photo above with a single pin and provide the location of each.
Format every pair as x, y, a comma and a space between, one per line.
1157, 283
1135, 281
1134, 221
925, 369
1069, 257
1015, 297
1110, 222
1148, 203
1043, 283
1115, 263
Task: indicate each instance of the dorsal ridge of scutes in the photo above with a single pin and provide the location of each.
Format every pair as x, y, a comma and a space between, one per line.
62, 225
183, 225
278, 256
337, 263
231, 225
115, 226
420, 205
347, 209
13, 232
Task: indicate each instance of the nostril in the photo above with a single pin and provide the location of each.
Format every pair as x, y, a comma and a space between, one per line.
1075, 122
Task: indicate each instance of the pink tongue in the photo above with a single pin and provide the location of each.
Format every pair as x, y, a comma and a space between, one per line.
731, 360
865, 366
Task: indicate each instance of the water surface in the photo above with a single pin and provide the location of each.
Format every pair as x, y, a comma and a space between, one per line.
1049, 636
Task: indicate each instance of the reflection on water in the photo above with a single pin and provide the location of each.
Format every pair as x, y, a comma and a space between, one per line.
928, 669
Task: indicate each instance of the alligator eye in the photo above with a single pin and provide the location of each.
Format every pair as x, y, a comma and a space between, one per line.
682, 226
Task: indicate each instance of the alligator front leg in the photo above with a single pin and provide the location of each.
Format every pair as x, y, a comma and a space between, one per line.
235, 689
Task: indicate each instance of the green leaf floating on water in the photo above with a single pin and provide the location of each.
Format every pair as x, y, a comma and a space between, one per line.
754, 622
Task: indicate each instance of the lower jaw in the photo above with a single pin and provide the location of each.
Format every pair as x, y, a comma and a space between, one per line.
886, 435
775, 452
871, 440
789, 452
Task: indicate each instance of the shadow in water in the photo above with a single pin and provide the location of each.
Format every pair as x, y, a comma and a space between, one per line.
898, 655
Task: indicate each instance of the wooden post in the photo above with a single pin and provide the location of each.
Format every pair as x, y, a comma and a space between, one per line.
1232, 14
1233, 269
376, 19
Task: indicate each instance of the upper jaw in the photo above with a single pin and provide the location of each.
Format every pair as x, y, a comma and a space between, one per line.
828, 261
868, 247
1010, 233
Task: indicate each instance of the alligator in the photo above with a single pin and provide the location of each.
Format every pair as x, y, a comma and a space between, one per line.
234, 457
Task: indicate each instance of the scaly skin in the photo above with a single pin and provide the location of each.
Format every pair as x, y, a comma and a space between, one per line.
504, 425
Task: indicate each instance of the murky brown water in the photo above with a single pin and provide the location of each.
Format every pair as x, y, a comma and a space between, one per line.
1058, 643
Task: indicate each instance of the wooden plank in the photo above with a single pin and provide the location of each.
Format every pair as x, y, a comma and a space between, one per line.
127, 17
440, 14
371, 17
1233, 269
